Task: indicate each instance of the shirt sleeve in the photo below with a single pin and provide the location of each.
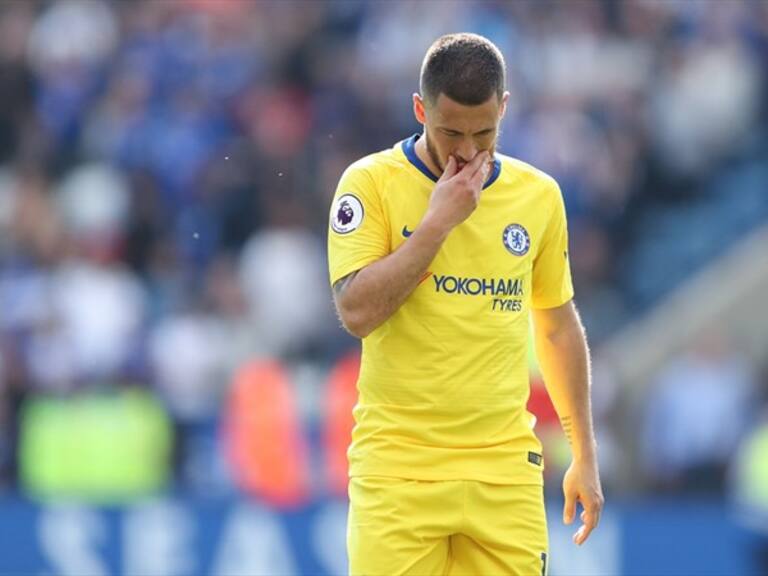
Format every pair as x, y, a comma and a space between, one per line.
552, 284
358, 233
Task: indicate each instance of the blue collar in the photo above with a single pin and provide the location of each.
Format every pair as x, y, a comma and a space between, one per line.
409, 149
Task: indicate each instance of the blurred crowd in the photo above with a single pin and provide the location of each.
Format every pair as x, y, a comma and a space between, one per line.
166, 169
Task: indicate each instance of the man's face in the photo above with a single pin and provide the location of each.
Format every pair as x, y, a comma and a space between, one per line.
455, 129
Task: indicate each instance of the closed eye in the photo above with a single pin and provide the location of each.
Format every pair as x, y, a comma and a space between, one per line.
454, 133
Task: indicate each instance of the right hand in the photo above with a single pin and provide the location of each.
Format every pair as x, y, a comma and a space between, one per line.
457, 193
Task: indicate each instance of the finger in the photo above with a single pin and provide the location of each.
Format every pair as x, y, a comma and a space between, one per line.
477, 163
578, 536
594, 508
583, 532
450, 169
594, 516
590, 518
481, 175
569, 510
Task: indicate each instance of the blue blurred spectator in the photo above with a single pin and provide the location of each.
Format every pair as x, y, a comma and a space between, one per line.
697, 412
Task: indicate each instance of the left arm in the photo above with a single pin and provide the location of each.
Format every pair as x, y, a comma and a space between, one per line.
561, 346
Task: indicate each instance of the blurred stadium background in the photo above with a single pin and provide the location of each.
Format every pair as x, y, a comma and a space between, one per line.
174, 386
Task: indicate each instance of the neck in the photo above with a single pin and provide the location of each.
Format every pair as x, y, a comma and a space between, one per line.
421, 151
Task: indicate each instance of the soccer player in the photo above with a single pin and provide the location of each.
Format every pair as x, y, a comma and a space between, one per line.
439, 250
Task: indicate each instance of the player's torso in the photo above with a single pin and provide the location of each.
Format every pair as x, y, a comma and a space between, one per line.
483, 270
462, 333
444, 381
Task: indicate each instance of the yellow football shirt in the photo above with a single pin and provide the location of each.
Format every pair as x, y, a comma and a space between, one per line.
443, 383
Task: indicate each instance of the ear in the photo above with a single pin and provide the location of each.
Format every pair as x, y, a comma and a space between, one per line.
418, 109
503, 107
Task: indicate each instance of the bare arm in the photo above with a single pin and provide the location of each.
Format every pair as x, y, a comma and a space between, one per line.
366, 298
564, 358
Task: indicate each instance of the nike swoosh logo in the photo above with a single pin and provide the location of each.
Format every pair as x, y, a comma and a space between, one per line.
407, 232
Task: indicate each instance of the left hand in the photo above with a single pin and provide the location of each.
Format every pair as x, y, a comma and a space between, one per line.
582, 484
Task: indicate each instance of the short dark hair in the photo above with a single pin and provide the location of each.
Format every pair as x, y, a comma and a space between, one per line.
467, 68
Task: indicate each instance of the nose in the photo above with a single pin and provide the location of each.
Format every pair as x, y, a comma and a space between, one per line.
466, 150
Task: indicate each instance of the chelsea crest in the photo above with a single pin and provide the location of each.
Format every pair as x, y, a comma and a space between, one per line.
516, 239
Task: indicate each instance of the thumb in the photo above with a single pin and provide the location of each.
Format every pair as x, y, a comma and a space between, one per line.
450, 169
569, 510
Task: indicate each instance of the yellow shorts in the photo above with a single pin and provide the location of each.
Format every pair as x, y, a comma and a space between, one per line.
399, 526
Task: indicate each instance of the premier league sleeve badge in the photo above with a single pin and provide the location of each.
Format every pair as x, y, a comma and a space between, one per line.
347, 214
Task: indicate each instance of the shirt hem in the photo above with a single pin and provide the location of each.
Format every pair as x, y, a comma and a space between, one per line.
535, 477
343, 271
547, 304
